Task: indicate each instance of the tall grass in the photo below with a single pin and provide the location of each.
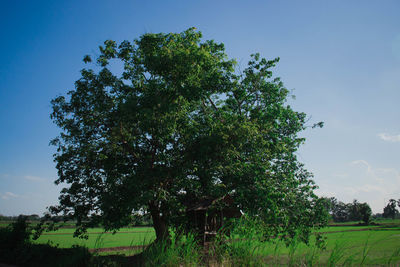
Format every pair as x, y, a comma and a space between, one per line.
337, 253
365, 252
276, 254
292, 251
242, 244
395, 254
181, 250
239, 244
311, 257
99, 243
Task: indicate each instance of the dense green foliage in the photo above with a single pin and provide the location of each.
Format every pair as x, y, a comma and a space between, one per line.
16, 248
390, 210
348, 212
16, 235
176, 124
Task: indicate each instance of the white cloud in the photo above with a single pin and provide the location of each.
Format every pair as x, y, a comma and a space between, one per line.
389, 171
325, 193
364, 182
8, 195
379, 175
365, 163
389, 138
34, 178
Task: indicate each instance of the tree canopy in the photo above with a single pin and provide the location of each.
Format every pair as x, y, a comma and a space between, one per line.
390, 209
178, 123
346, 212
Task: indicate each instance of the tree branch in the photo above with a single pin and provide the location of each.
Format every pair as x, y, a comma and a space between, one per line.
212, 103
125, 143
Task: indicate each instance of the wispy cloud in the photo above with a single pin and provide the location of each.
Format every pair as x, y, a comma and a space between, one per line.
8, 195
379, 174
365, 163
389, 138
34, 178
365, 182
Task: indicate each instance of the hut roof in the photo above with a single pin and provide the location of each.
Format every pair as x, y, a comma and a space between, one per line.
208, 202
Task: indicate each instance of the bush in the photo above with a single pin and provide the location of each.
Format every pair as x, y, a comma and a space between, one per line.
16, 248
14, 240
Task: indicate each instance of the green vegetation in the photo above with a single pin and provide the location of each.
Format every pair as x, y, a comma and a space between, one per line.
348, 212
180, 250
177, 124
16, 248
390, 211
136, 236
243, 245
362, 246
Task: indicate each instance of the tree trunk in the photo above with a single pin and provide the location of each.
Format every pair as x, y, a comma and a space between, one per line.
159, 222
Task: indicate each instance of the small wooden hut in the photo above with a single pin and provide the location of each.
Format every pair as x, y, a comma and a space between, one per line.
207, 216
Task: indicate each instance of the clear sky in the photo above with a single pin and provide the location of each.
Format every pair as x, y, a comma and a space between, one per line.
341, 58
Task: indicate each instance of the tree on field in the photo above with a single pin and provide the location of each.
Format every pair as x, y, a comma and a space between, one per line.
359, 211
344, 212
390, 210
178, 123
338, 210
354, 211
365, 212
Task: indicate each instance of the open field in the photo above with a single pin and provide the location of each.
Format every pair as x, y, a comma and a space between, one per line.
345, 245
355, 246
135, 236
349, 245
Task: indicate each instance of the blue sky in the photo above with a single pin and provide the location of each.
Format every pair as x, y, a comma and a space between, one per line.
341, 58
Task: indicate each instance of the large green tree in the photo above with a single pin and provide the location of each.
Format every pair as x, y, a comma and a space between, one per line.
390, 210
167, 119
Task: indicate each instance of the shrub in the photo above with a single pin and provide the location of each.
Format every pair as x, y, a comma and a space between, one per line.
16, 248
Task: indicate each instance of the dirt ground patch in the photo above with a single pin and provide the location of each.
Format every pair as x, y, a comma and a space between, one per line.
116, 248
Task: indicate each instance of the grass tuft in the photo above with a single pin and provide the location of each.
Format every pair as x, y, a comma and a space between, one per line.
337, 253
181, 250
365, 251
395, 254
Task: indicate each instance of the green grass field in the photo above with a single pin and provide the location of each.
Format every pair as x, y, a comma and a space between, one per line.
135, 236
377, 246
144, 235
345, 245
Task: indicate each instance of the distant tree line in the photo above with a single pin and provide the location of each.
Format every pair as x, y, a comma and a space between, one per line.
347, 212
32, 217
338, 210
390, 210
137, 219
